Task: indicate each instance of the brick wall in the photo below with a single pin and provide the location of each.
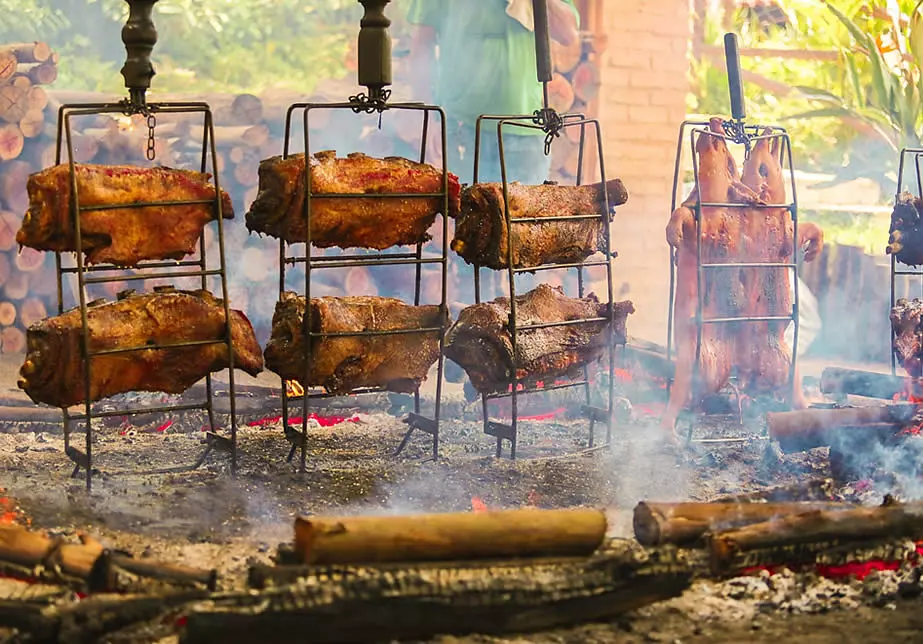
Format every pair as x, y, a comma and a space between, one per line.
642, 101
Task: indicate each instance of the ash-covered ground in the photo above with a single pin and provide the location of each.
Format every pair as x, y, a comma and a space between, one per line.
206, 518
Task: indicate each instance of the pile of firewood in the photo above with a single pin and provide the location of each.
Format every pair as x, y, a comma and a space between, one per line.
27, 125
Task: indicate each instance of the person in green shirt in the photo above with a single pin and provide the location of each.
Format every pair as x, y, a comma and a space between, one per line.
474, 57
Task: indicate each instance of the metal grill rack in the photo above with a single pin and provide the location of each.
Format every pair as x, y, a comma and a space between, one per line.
912, 156
738, 133
552, 123
375, 75
140, 36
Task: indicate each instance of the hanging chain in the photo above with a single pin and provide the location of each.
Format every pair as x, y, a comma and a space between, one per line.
151, 124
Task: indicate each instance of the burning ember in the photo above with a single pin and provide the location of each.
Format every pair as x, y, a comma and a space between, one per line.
10, 512
293, 389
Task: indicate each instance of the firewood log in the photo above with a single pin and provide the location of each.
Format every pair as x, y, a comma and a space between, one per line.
14, 102
566, 57
12, 340
5, 268
11, 141
249, 135
585, 82
29, 259
32, 124
445, 537
837, 380
33, 52
415, 603
657, 524
809, 428
7, 313
37, 99
8, 64
560, 94
32, 310
17, 286
841, 526
39, 73
13, 178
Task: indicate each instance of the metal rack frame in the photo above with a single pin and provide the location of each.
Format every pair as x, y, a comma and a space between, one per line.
549, 121
733, 134
374, 49
917, 155
736, 131
139, 37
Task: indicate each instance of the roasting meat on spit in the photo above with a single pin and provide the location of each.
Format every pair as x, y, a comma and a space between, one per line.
357, 222
733, 235
907, 325
905, 239
120, 236
482, 238
481, 344
342, 364
53, 369
764, 361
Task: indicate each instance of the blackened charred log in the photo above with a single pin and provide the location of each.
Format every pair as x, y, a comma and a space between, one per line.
806, 429
854, 382
410, 603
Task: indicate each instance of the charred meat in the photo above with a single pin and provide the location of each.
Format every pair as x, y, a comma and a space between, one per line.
342, 364
481, 344
907, 325
482, 237
53, 369
905, 240
120, 236
360, 222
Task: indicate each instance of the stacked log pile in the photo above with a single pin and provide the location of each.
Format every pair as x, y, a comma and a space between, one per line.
248, 128
27, 122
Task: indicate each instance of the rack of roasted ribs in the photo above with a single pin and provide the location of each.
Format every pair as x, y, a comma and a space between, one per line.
733, 264
351, 345
516, 228
149, 219
905, 236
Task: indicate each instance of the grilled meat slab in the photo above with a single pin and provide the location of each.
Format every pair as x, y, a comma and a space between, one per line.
481, 344
120, 236
342, 364
482, 238
907, 324
53, 369
358, 222
905, 240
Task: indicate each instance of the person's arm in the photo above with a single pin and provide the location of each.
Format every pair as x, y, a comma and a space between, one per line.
563, 22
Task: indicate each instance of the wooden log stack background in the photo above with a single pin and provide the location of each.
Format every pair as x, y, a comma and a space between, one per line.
248, 128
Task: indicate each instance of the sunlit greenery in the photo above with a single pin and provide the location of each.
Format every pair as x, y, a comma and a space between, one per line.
203, 45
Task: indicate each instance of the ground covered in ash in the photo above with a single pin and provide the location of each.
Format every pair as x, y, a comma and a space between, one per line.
206, 518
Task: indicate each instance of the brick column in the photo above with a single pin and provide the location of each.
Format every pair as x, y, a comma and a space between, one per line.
642, 102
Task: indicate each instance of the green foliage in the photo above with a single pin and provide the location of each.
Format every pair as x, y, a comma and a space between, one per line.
203, 45
883, 95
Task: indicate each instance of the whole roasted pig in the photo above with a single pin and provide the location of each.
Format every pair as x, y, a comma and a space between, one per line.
358, 222
905, 240
342, 364
764, 357
120, 236
53, 369
482, 238
480, 341
718, 182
